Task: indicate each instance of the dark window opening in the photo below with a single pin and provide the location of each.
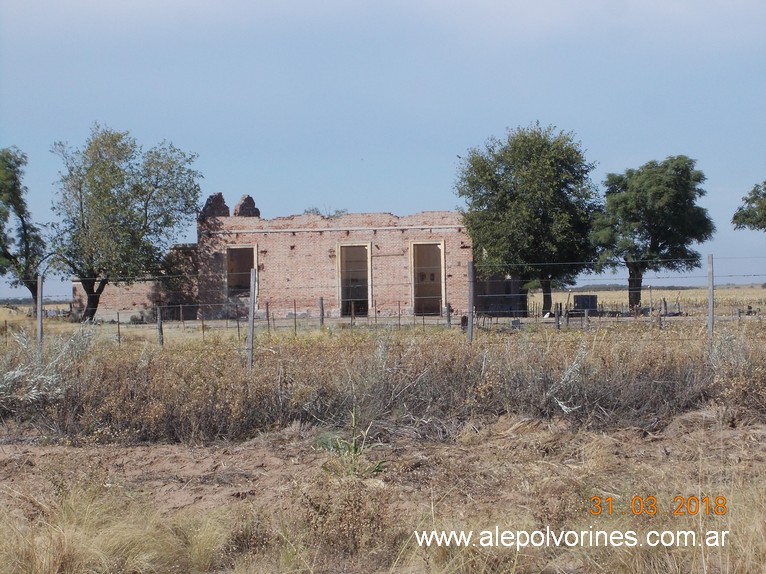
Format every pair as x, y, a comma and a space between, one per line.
354, 281
427, 277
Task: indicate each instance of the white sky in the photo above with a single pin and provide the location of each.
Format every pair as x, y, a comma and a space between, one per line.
364, 105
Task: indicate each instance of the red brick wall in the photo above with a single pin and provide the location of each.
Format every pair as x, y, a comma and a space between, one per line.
297, 259
139, 299
136, 300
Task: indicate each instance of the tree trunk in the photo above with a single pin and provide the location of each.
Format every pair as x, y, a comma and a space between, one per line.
545, 285
635, 279
93, 289
31, 284
522, 309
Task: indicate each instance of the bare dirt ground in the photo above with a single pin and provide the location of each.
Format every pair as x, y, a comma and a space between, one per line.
487, 462
507, 471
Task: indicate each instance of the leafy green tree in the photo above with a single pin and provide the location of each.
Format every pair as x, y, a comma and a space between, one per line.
752, 213
120, 209
22, 247
530, 206
651, 219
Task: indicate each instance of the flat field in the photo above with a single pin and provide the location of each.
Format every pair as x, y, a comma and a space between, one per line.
628, 447
692, 301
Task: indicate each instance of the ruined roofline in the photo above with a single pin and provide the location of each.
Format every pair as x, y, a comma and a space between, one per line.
355, 229
430, 214
448, 221
216, 209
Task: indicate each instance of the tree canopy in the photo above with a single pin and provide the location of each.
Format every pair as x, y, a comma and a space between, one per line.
752, 213
120, 209
22, 247
530, 206
651, 219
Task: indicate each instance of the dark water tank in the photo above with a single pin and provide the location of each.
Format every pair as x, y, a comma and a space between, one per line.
583, 302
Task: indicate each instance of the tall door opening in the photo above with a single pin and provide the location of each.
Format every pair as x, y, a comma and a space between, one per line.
239, 262
427, 278
354, 280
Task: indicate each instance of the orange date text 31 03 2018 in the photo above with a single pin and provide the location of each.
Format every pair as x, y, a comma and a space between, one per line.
648, 506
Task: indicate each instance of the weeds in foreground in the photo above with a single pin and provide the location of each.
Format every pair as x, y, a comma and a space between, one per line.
429, 383
349, 459
516, 473
30, 380
88, 529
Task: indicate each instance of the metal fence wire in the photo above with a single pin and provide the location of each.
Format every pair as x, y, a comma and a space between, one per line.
497, 302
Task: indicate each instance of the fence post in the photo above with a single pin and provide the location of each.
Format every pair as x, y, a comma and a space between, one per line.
160, 335
40, 314
251, 322
236, 314
321, 312
295, 318
268, 321
118, 329
471, 274
710, 298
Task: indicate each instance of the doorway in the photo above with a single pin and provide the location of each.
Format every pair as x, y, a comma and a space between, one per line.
354, 280
239, 262
427, 263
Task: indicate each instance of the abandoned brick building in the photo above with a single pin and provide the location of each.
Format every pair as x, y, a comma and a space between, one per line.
357, 264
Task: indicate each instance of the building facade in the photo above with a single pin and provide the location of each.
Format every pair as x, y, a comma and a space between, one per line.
357, 264
365, 264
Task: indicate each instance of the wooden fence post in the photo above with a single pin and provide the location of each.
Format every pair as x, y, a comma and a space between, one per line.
471, 276
250, 323
39, 312
160, 334
710, 298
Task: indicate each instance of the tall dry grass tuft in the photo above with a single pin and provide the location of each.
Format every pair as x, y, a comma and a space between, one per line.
91, 529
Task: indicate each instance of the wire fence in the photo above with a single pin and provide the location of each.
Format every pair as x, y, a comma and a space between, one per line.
497, 302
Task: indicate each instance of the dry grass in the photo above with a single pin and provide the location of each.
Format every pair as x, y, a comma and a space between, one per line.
728, 299
426, 431
432, 383
92, 529
515, 473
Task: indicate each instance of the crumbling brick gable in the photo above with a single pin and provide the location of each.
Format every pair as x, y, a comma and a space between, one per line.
246, 208
215, 206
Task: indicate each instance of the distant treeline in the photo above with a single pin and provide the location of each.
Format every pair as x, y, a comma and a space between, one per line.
27, 301
618, 287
